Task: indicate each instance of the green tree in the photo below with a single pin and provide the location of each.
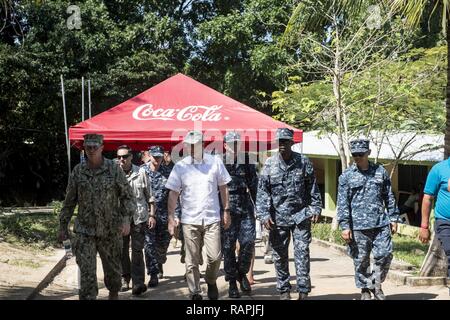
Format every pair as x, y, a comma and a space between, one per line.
337, 41
123, 47
404, 94
236, 50
415, 12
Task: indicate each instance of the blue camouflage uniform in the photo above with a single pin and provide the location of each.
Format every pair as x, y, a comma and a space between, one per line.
166, 169
242, 195
366, 205
288, 193
157, 240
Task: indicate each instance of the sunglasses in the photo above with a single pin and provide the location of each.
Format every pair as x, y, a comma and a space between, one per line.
91, 147
358, 154
125, 156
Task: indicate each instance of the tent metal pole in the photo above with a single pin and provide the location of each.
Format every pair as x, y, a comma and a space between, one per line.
89, 98
65, 126
82, 98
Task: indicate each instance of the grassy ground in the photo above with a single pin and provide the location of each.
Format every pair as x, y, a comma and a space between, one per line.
322, 231
35, 231
410, 250
406, 249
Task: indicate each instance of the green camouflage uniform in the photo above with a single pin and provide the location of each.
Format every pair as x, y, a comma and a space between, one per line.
105, 202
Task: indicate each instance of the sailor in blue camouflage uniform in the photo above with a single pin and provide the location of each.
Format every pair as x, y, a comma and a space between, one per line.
167, 164
288, 200
242, 194
157, 237
368, 215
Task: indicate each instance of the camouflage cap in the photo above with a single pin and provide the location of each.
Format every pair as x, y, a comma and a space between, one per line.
285, 134
93, 139
232, 136
193, 137
359, 145
156, 151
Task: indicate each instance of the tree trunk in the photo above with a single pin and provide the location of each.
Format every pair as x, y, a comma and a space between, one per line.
341, 130
342, 154
394, 167
435, 262
338, 98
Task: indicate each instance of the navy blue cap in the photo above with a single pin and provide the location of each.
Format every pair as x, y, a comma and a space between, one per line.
285, 134
156, 151
359, 145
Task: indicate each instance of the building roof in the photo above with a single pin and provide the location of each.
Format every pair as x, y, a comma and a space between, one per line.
419, 147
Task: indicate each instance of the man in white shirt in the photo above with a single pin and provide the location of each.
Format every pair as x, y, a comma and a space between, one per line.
198, 177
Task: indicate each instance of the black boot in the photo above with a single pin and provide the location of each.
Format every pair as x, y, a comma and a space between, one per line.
153, 281
245, 285
113, 295
213, 292
196, 297
161, 272
233, 291
139, 289
302, 296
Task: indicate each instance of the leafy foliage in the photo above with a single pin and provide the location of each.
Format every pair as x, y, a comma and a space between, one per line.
36, 230
408, 93
234, 46
123, 47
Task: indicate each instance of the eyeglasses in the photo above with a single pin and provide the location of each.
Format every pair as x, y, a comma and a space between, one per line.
358, 154
125, 156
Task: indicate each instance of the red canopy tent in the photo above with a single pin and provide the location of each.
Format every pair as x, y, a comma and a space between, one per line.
164, 114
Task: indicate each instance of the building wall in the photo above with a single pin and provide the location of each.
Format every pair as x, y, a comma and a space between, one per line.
326, 180
327, 171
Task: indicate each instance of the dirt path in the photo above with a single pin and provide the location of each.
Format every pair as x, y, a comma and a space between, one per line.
21, 269
331, 277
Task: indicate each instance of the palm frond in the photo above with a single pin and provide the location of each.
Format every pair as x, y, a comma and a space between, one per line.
312, 15
413, 10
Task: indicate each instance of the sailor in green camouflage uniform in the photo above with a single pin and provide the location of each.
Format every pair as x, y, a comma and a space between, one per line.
105, 204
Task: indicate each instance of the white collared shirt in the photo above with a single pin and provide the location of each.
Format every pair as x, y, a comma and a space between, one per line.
198, 183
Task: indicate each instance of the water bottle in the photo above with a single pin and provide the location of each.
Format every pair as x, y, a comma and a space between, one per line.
68, 248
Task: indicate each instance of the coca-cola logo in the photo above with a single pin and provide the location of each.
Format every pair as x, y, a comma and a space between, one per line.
193, 113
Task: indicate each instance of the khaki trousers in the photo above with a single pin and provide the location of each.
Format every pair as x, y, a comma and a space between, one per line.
194, 236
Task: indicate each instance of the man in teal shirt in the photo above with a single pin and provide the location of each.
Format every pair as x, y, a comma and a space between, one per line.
437, 186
